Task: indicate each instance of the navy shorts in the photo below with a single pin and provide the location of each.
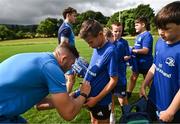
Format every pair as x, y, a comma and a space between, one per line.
101, 112
13, 119
140, 66
138, 69
119, 91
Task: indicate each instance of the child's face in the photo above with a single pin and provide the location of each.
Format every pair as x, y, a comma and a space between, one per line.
139, 27
170, 33
117, 31
95, 42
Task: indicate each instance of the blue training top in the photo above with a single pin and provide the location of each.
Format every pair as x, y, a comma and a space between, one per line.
125, 52
25, 79
144, 39
126, 46
102, 66
120, 53
166, 81
66, 31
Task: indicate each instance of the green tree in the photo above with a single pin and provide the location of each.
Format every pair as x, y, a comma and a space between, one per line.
48, 27
127, 18
20, 34
89, 15
147, 11
4, 31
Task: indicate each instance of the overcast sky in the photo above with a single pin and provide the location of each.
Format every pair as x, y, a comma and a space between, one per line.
34, 11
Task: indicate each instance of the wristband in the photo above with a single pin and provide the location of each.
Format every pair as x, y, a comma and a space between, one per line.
84, 95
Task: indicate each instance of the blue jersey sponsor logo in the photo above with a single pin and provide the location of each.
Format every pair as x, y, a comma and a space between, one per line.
170, 61
160, 70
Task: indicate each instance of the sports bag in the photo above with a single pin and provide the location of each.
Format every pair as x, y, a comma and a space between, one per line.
135, 113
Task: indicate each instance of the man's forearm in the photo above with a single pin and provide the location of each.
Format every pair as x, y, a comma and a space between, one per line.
45, 104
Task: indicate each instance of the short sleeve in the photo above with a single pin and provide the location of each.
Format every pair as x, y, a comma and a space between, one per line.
66, 32
147, 41
54, 77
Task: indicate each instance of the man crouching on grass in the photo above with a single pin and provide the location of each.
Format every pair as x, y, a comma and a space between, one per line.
31, 77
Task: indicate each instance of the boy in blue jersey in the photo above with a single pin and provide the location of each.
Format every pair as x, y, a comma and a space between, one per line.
101, 73
164, 95
65, 34
123, 55
142, 51
31, 77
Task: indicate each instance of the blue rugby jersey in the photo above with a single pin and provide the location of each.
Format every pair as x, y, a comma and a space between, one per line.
126, 46
120, 53
25, 79
166, 81
102, 66
144, 39
65, 30
125, 52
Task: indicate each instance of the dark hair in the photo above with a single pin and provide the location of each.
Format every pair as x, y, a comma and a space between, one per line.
69, 48
90, 27
143, 19
68, 10
168, 14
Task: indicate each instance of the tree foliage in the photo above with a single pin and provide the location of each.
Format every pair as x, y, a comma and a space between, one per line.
6, 33
48, 27
3, 32
89, 15
127, 18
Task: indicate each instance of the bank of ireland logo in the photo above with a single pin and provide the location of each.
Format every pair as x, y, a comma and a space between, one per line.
170, 61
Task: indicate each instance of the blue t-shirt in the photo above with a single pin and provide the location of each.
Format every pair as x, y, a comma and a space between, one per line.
125, 52
166, 81
120, 53
102, 66
66, 31
126, 46
144, 39
25, 79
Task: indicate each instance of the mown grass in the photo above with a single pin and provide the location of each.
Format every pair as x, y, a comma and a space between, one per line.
9, 48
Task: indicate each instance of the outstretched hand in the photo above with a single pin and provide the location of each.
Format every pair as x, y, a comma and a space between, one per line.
85, 87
